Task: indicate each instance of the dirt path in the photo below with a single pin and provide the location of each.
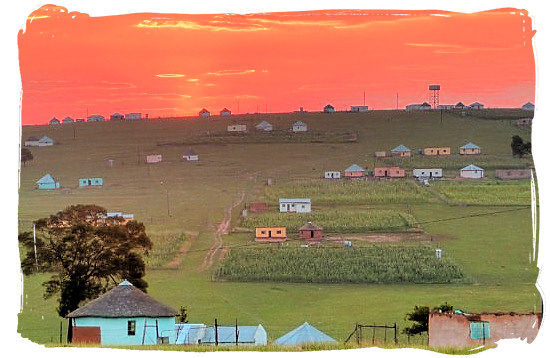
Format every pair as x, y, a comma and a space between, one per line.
221, 229
182, 251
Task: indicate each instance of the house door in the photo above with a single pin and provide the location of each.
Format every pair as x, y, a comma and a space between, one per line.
269, 233
311, 234
89, 182
385, 173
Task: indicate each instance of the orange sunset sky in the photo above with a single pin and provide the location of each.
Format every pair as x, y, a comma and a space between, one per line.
167, 65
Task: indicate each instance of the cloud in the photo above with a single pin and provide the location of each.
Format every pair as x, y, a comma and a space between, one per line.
193, 80
192, 25
170, 75
231, 72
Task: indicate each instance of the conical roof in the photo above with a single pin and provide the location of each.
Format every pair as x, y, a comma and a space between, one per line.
471, 167
124, 300
310, 226
469, 145
304, 334
400, 148
46, 179
354, 168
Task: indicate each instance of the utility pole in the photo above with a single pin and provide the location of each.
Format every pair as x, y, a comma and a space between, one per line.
397, 100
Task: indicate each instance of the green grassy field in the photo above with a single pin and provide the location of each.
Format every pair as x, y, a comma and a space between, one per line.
182, 203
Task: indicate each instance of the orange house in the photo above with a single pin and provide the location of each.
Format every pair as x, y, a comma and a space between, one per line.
270, 234
437, 151
389, 172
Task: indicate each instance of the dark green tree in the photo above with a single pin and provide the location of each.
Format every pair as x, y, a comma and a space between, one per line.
87, 252
26, 155
420, 316
519, 147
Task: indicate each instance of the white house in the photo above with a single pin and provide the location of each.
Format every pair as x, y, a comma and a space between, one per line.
472, 171
299, 127
236, 128
476, 105
204, 113
42, 142
154, 158
528, 106
428, 173
419, 107
446, 107
295, 205
332, 175
264, 126
132, 116
191, 156
328, 108
225, 112
359, 108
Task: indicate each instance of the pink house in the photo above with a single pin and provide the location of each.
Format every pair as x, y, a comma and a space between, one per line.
354, 171
389, 172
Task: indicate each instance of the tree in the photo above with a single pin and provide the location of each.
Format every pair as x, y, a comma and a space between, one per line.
520, 148
420, 316
87, 252
26, 155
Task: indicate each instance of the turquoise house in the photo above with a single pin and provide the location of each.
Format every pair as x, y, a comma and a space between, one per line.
124, 315
48, 182
84, 182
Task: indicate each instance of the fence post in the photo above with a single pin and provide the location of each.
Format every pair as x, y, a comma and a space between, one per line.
216, 330
395, 332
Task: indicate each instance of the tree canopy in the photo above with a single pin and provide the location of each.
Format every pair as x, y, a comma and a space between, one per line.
519, 147
26, 155
87, 252
420, 316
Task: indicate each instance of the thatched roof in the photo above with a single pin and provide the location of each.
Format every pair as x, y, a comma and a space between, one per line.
125, 300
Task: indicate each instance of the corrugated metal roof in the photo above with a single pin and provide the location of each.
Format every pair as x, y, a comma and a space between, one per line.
304, 334
198, 333
124, 300
469, 145
46, 179
400, 148
300, 200
354, 168
471, 167
299, 123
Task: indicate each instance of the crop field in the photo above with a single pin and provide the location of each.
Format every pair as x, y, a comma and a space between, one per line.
182, 205
337, 220
373, 264
349, 192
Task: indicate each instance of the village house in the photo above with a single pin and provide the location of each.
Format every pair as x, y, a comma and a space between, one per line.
80, 120
359, 108
446, 107
401, 151
354, 171
132, 116
87, 182
54, 121
458, 329
191, 156
469, 149
328, 109
204, 113
299, 127
225, 112
117, 117
153, 158
419, 107
258, 206
270, 234
460, 105
528, 106
380, 154
198, 333
124, 315
236, 128
301, 205
48, 182
42, 142
472, 171
437, 151
389, 172
68, 120
428, 173
264, 126
118, 214
96, 118
476, 105
511, 174
332, 175
310, 232
302, 335
31, 142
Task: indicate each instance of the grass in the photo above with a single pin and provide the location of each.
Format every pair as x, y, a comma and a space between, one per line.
495, 251
486, 192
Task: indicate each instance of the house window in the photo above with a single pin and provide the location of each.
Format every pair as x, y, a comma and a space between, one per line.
279, 232
480, 330
131, 328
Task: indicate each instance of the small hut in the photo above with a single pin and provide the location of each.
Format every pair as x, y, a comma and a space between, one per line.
310, 231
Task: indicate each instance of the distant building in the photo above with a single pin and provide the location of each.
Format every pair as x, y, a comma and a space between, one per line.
54, 121
460, 105
124, 315
401, 151
472, 171
389, 172
328, 109
359, 109
428, 173
87, 182
380, 154
332, 175
198, 333
236, 128
310, 232
446, 107
117, 117
257, 207
437, 151
469, 149
191, 156
524, 122
45, 141
264, 126
419, 107
511, 174
48, 182
528, 106
31, 142
299, 127
225, 112
354, 171
132, 116
68, 120
204, 113
270, 234
96, 118
154, 158
295, 205
476, 105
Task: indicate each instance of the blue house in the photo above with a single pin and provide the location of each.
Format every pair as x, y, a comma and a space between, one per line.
84, 182
124, 315
198, 333
48, 182
304, 334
